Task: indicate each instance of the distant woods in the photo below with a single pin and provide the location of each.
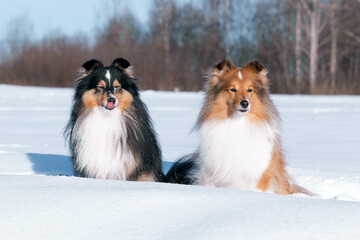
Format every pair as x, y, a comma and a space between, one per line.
308, 46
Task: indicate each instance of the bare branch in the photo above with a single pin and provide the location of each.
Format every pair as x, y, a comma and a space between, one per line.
352, 35
324, 41
305, 7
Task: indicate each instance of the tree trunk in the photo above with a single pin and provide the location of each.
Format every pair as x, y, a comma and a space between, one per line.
285, 53
334, 35
227, 29
297, 48
166, 46
357, 64
314, 43
166, 33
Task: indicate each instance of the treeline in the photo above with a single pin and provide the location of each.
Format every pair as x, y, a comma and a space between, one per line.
311, 46
308, 46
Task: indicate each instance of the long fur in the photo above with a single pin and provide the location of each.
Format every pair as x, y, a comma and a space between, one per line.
240, 143
183, 171
116, 144
234, 152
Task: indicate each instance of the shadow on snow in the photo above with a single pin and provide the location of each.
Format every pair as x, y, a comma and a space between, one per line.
54, 165
51, 164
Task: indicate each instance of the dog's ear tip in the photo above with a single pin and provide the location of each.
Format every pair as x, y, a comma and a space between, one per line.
125, 66
223, 66
255, 65
92, 64
89, 66
121, 63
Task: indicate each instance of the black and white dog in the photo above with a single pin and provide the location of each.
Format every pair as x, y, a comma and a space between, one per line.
110, 132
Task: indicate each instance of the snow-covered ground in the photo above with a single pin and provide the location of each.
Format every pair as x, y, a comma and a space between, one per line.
39, 199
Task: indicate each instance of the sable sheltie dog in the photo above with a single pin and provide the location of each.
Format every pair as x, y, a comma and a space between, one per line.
239, 135
110, 132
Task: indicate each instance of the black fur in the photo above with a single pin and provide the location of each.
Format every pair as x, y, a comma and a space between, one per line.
120, 62
141, 137
92, 64
141, 140
182, 172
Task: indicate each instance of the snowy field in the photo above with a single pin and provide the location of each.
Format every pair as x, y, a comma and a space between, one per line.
40, 199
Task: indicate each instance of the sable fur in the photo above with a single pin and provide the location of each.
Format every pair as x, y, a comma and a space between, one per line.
240, 144
97, 134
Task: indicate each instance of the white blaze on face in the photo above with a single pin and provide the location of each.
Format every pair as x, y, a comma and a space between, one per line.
108, 76
240, 76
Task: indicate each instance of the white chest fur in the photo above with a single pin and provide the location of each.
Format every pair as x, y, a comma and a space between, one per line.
234, 153
102, 149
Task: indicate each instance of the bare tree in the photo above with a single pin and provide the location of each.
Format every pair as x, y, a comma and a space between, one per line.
298, 48
314, 23
350, 42
166, 32
308, 46
334, 29
227, 12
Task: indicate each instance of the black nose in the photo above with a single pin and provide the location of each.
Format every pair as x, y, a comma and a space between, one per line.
111, 99
244, 103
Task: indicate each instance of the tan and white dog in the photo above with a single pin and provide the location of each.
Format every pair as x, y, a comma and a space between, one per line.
240, 145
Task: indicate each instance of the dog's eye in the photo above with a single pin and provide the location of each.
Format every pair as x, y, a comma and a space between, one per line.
100, 89
233, 89
118, 89
250, 90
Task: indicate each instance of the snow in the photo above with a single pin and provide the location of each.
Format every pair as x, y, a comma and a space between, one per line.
40, 199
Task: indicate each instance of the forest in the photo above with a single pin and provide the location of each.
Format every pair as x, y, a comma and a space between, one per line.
307, 46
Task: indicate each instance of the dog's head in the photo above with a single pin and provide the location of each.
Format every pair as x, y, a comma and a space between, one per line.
234, 91
108, 87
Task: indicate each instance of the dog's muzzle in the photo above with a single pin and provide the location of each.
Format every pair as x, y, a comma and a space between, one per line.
244, 106
110, 103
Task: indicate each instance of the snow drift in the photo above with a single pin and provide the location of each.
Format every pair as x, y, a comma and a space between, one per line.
40, 199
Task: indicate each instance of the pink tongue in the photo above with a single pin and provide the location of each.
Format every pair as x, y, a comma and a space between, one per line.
110, 105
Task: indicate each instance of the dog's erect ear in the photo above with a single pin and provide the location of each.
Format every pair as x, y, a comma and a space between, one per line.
255, 66
223, 66
219, 69
88, 67
124, 65
92, 65
121, 63
259, 69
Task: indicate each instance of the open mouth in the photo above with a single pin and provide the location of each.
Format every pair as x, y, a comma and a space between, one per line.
110, 106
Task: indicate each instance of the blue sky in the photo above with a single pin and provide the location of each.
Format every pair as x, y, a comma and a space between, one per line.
67, 16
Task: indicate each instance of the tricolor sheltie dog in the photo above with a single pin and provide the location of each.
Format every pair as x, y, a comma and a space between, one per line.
239, 135
110, 132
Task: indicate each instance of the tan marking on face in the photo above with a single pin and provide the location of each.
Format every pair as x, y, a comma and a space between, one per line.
102, 83
123, 96
91, 99
218, 109
116, 83
104, 99
102, 95
258, 112
125, 100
